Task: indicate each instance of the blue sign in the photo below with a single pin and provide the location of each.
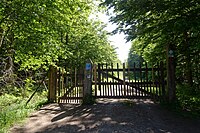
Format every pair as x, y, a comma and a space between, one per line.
88, 66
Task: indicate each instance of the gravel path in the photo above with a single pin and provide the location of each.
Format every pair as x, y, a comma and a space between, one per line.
107, 116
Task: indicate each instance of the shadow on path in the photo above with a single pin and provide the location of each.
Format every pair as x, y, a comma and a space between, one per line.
107, 116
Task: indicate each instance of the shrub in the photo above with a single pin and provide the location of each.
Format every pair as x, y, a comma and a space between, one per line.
13, 109
188, 99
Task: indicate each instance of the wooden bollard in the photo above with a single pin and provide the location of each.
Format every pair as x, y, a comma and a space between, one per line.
87, 93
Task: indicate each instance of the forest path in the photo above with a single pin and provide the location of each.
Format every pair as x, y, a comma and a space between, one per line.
107, 116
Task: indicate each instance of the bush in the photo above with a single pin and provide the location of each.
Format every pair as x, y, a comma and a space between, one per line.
13, 109
188, 99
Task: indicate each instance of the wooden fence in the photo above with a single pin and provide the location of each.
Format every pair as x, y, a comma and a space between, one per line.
66, 85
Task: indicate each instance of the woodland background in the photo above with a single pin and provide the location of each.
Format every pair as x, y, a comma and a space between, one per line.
37, 34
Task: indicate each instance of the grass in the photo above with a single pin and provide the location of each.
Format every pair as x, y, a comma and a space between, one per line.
14, 110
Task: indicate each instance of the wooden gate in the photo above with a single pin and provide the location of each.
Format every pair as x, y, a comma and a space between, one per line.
128, 82
66, 85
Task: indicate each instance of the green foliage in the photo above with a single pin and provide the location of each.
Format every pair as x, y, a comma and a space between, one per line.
187, 102
13, 109
35, 34
7, 100
92, 42
134, 60
133, 57
29, 84
154, 25
188, 99
45, 31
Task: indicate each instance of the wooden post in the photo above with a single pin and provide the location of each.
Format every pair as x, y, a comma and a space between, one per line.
87, 93
52, 89
171, 86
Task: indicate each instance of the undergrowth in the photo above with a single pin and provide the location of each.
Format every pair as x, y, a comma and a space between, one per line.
187, 102
13, 109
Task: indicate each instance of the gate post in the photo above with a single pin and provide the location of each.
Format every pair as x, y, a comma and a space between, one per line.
87, 91
52, 84
171, 86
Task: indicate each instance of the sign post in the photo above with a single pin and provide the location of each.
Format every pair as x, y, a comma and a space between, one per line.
87, 93
171, 85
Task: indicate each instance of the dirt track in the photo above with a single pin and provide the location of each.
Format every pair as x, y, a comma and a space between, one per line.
107, 116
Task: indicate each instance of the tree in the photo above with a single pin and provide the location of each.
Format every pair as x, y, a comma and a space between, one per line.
38, 33
134, 58
134, 61
156, 24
